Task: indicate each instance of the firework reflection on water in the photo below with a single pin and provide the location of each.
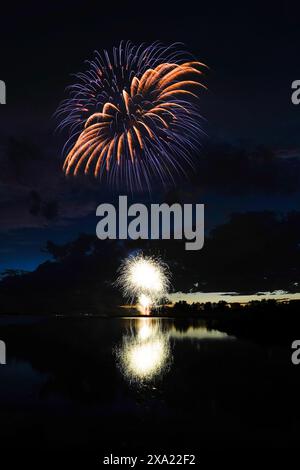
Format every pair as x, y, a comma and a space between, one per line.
145, 352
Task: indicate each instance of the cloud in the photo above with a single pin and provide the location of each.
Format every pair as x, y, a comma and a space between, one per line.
254, 251
235, 170
34, 192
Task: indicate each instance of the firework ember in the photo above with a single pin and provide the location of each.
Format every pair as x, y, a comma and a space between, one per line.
134, 115
145, 279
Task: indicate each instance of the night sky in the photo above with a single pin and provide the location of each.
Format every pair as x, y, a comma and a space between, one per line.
253, 55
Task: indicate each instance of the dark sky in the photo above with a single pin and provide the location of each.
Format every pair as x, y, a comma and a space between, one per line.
253, 54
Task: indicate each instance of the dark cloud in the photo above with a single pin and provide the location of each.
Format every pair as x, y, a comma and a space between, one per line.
252, 252
236, 170
34, 191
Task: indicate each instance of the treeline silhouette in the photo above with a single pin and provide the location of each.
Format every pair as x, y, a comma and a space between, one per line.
252, 252
78, 279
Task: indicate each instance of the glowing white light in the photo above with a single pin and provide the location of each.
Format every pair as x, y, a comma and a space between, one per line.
145, 331
144, 278
144, 304
146, 354
146, 359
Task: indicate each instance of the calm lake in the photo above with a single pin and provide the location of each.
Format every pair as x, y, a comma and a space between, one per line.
134, 385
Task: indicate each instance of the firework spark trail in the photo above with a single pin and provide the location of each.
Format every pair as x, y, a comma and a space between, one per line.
145, 279
134, 115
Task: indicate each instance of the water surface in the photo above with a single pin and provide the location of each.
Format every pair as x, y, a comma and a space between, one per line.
142, 384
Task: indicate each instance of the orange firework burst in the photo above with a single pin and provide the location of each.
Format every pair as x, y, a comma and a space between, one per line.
134, 115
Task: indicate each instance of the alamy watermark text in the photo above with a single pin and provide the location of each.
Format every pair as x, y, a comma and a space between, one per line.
160, 221
2, 92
